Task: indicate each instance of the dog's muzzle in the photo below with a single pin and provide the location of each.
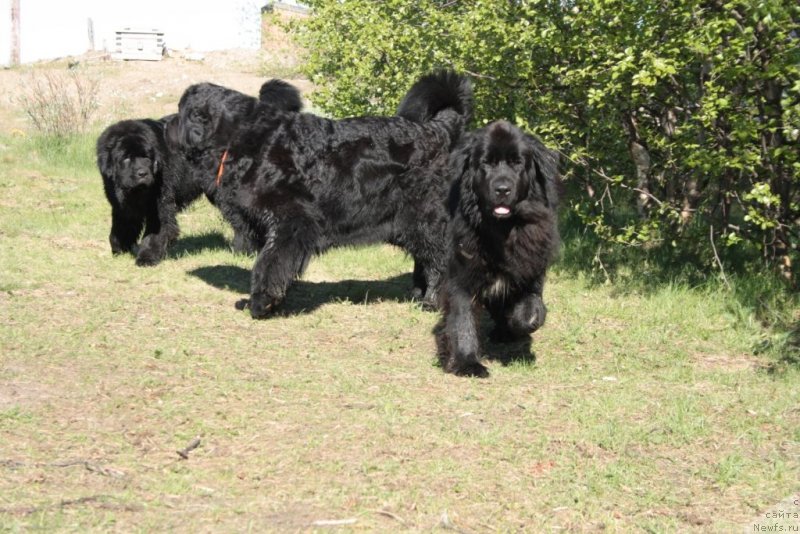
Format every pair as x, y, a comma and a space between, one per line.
503, 193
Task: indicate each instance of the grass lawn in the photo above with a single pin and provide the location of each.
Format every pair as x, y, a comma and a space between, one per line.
634, 410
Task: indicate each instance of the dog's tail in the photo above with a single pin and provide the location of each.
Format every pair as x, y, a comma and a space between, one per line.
281, 95
436, 92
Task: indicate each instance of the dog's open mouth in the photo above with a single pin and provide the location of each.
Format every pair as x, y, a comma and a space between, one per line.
502, 211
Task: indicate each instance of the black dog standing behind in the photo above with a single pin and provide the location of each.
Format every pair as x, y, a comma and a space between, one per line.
207, 119
503, 237
300, 184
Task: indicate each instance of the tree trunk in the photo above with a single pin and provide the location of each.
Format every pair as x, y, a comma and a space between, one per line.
15, 25
641, 160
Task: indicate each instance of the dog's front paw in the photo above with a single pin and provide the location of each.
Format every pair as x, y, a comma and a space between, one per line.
148, 258
150, 252
262, 305
537, 315
429, 303
120, 246
466, 367
528, 316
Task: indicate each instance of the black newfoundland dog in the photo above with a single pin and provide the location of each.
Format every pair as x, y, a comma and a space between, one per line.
147, 182
503, 236
132, 158
208, 117
298, 184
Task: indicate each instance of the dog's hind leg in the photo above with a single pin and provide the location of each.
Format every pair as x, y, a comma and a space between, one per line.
288, 247
419, 284
433, 277
426, 244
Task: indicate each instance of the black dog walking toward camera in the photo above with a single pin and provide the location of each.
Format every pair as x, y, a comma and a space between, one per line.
300, 184
133, 159
503, 236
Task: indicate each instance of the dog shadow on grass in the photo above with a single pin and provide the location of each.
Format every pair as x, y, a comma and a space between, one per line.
513, 352
195, 244
506, 353
304, 296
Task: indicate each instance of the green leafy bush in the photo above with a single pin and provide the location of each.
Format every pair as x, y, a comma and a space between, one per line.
679, 121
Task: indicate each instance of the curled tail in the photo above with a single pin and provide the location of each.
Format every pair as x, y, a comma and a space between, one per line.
281, 95
436, 92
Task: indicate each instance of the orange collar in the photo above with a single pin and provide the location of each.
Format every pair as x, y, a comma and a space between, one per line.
221, 168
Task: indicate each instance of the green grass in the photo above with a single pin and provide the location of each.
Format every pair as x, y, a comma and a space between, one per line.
640, 408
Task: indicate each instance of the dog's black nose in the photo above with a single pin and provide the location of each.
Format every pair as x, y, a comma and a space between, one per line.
502, 190
141, 173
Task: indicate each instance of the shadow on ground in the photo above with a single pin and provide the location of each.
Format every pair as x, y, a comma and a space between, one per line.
195, 244
305, 296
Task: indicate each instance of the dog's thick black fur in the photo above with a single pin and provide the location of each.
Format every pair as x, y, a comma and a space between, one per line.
208, 116
299, 184
147, 181
503, 236
133, 160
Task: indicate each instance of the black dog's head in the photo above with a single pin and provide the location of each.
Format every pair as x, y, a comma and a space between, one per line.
503, 173
129, 157
209, 114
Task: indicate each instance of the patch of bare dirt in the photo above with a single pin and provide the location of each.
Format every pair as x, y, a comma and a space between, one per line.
19, 394
726, 362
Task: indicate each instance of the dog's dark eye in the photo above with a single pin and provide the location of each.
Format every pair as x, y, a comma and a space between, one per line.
199, 117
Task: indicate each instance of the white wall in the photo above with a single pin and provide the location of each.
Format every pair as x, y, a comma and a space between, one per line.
53, 28
5, 32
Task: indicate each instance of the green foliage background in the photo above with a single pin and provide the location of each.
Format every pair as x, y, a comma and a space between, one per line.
678, 121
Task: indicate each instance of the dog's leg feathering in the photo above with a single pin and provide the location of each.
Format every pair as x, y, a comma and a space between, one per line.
289, 246
461, 329
161, 230
124, 232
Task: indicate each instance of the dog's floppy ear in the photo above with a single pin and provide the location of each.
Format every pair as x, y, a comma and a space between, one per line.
227, 114
543, 174
106, 147
225, 126
462, 196
172, 132
104, 158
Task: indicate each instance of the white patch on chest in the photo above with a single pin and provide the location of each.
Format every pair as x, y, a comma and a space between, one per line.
496, 288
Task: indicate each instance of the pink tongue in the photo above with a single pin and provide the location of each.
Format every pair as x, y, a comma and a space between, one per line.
502, 210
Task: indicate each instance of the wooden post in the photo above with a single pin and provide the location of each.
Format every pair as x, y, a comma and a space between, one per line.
15, 45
